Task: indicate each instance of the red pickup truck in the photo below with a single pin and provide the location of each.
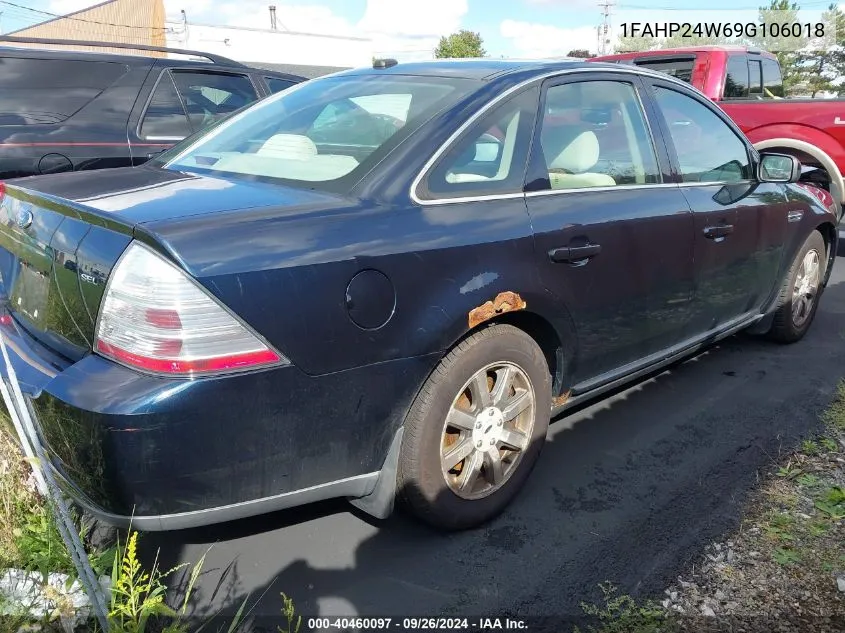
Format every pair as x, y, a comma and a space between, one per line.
747, 84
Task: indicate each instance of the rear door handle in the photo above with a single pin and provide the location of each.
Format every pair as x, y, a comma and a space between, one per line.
574, 253
715, 232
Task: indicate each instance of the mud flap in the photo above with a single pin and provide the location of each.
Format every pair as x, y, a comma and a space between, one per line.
379, 503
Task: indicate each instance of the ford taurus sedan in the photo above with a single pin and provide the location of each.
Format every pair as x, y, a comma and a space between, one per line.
381, 284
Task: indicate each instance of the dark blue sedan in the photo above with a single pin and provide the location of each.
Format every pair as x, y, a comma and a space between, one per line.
382, 283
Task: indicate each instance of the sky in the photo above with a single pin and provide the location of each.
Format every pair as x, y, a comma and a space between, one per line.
510, 28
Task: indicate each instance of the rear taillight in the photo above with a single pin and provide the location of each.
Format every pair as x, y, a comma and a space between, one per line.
154, 317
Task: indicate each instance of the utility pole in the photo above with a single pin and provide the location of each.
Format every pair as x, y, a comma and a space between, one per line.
604, 27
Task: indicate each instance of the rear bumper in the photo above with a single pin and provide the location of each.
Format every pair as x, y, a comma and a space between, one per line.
170, 454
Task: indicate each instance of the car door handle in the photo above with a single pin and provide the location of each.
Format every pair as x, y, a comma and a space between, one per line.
714, 232
574, 253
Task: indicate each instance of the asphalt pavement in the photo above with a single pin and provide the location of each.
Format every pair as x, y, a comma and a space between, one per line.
628, 490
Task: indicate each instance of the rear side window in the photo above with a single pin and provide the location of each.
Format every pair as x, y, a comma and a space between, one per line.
772, 79
736, 77
277, 85
45, 91
185, 101
680, 67
755, 78
165, 117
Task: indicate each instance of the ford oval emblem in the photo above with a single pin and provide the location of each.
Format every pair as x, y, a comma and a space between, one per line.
23, 217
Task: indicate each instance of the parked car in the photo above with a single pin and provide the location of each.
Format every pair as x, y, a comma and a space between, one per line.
66, 110
748, 85
288, 319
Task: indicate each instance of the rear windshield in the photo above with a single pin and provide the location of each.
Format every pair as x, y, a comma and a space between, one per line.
45, 91
680, 67
325, 133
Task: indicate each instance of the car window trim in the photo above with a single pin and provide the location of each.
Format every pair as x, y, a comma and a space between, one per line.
519, 186
142, 118
168, 71
751, 153
637, 85
446, 145
212, 71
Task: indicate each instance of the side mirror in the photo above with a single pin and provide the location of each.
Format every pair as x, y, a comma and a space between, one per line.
778, 168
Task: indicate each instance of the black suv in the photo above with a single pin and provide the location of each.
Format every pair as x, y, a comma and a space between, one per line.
63, 110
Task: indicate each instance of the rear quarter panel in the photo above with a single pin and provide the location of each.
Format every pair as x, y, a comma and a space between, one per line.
288, 277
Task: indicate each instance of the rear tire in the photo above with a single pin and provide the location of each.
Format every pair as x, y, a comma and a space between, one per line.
799, 296
486, 407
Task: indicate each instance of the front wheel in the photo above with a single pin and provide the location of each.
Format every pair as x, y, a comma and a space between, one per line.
476, 429
799, 297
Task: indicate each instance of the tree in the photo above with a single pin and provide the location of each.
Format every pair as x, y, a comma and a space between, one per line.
461, 44
636, 44
792, 62
580, 52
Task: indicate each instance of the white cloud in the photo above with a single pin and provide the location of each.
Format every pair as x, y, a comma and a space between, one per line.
530, 39
412, 18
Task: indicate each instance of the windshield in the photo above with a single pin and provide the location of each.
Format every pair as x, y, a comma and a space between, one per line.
325, 133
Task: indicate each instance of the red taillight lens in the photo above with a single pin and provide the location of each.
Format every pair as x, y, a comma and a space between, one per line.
157, 319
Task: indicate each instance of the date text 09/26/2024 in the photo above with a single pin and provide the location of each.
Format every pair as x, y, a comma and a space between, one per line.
415, 624
796, 30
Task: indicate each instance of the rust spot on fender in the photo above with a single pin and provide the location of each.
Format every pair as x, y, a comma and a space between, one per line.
561, 400
504, 302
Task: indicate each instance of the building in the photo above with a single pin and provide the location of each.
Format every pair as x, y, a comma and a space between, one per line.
146, 22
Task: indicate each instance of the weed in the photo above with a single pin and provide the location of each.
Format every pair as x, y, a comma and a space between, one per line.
789, 471
818, 529
622, 614
289, 612
39, 544
809, 447
834, 415
136, 595
830, 445
786, 556
807, 480
832, 503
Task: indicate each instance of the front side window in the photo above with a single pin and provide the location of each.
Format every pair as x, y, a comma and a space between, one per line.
208, 97
736, 77
326, 132
490, 158
594, 134
708, 150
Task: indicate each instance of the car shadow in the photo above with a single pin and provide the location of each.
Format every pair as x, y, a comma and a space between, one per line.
628, 489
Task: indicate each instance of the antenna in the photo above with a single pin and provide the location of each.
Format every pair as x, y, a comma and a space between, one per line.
604, 27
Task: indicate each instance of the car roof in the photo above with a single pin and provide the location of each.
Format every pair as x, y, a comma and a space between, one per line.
482, 69
136, 59
681, 50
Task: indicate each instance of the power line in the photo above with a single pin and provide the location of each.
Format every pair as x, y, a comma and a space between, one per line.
70, 17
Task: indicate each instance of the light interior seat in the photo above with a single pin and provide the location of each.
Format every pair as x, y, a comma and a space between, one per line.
578, 153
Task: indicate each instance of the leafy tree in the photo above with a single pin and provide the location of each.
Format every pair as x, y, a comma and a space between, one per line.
461, 44
580, 52
792, 62
636, 44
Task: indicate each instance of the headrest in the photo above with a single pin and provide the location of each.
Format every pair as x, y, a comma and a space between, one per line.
290, 146
571, 148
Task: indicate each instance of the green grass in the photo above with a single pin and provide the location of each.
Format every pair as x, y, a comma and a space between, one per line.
623, 614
